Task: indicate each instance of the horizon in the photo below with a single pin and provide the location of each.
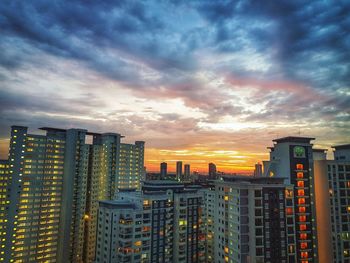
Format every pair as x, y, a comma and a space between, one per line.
199, 82
197, 165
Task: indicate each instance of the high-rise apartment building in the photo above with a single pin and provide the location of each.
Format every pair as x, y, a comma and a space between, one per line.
179, 176
292, 158
163, 170
4, 203
131, 167
211, 171
162, 223
208, 221
53, 184
339, 189
254, 220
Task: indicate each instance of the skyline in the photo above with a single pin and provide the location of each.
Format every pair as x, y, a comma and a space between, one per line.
212, 82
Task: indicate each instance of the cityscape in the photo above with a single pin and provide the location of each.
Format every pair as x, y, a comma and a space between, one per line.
171, 131
68, 198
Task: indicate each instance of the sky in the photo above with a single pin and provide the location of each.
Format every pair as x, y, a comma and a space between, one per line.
199, 81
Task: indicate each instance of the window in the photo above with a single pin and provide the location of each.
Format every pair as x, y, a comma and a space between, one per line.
300, 175
301, 193
300, 166
302, 227
303, 236
303, 245
302, 218
301, 201
302, 209
300, 183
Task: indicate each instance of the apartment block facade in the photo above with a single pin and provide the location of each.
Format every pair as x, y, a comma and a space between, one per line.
291, 158
254, 221
162, 223
53, 183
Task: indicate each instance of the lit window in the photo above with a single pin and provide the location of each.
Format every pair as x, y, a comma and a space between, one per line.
300, 175
302, 209
304, 255
300, 166
289, 193
301, 193
302, 218
289, 211
303, 245
303, 236
301, 201
300, 183
302, 227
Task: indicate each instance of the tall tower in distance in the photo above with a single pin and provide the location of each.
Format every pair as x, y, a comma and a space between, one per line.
291, 158
211, 171
163, 170
258, 170
187, 175
179, 171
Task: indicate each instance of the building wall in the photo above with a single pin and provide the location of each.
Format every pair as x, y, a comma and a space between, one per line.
53, 184
323, 211
298, 170
253, 223
338, 173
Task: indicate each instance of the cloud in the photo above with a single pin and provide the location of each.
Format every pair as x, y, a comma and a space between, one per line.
178, 73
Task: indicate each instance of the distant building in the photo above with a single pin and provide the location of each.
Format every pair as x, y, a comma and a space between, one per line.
54, 182
211, 171
258, 170
163, 223
187, 174
163, 170
179, 176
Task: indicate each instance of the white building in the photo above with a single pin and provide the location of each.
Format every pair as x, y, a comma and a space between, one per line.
162, 223
254, 220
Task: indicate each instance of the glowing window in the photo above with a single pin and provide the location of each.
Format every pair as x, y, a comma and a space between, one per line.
300, 183
300, 166
304, 255
301, 192
302, 218
302, 209
226, 249
300, 175
303, 236
289, 193
301, 201
302, 227
289, 211
303, 245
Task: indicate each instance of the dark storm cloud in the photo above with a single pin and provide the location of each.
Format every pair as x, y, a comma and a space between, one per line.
308, 35
81, 30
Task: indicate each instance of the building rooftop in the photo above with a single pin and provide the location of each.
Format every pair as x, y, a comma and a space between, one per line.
87, 132
319, 150
254, 180
342, 147
294, 139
